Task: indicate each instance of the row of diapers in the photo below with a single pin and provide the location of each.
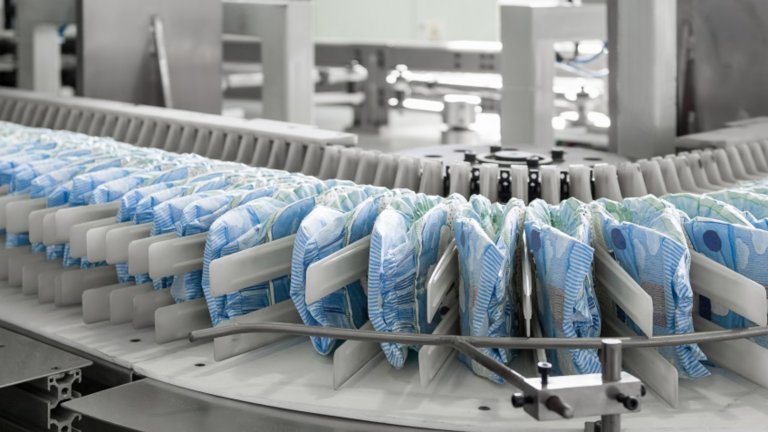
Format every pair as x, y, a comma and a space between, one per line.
240, 207
408, 238
726, 235
258, 222
193, 216
646, 237
164, 206
325, 230
340, 195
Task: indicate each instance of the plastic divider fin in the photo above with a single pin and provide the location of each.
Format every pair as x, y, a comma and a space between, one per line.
433, 357
352, 356
176, 321
7, 253
606, 182
337, 270
230, 346
138, 253
654, 181
581, 182
16, 265
118, 241
461, 175
145, 305
36, 223
4, 201
70, 291
17, 214
650, 366
67, 217
47, 282
121, 302
742, 356
78, 237
489, 181
96, 302
29, 279
176, 256
728, 288
631, 182
96, 239
443, 278
621, 289
550, 183
252, 266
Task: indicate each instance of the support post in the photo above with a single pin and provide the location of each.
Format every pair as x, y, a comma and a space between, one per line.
611, 359
643, 71
289, 62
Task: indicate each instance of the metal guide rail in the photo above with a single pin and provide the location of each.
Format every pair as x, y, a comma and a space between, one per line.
258, 359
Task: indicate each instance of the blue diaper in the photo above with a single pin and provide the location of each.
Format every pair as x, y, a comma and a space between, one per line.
486, 240
646, 237
726, 237
283, 223
324, 231
559, 239
408, 239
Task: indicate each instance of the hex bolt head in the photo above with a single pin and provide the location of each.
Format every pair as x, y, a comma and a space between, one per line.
519, 400
631, 403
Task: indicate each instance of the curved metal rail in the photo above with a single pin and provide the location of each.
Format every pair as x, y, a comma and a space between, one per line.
479, 342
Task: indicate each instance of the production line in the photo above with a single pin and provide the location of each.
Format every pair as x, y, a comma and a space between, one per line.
265, 254
576, 242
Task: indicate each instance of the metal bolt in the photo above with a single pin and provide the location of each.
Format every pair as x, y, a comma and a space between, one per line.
544, 368
629, 402
519, 400
555, 404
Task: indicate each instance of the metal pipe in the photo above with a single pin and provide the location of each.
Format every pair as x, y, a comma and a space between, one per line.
479, 342
489, 363
611, 359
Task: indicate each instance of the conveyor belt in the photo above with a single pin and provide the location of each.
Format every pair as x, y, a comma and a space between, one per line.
433, 392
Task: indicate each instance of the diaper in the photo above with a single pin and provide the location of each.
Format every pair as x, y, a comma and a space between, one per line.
559, 239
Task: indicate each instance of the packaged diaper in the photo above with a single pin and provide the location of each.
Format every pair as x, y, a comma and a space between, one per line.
486, 240
646, 237
559, 239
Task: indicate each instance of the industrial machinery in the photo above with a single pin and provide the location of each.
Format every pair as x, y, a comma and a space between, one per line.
166, 368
